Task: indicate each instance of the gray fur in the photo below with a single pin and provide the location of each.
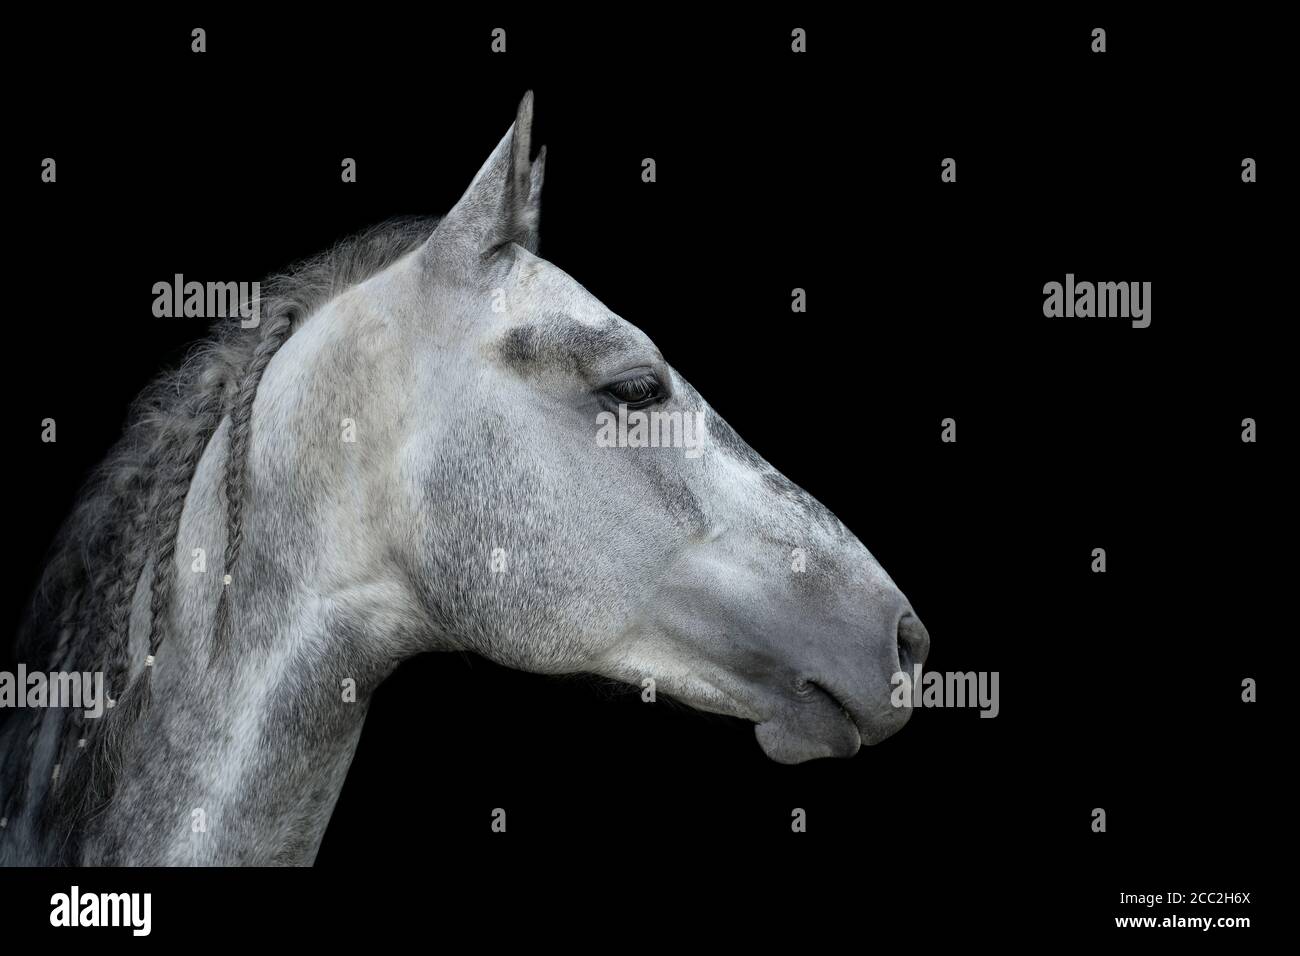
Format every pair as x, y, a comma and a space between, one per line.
476, 431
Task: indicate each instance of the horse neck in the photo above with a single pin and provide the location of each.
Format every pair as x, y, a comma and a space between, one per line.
242, 752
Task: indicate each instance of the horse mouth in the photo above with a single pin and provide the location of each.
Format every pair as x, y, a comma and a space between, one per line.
816, 724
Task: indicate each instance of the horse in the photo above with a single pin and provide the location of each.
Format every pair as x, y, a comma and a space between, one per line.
402, 456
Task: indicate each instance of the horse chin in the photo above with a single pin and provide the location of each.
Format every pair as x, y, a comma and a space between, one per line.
796, 738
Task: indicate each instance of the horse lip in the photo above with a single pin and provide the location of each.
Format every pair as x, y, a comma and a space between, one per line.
870, 731
844, 710
792, 736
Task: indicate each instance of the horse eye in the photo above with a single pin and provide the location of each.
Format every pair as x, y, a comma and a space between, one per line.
636, 392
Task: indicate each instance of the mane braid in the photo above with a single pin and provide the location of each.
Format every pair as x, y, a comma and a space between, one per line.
123, 534
241, 415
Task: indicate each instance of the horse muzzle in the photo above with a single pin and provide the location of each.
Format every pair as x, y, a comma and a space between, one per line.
833, 709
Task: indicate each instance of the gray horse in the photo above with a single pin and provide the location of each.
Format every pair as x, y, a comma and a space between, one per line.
406, 455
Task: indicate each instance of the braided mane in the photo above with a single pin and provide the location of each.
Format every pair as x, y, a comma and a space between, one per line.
126, 521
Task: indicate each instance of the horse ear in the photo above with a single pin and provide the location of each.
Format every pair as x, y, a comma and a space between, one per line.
503, 203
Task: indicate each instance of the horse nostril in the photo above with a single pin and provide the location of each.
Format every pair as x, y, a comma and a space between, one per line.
913, 642
904, 656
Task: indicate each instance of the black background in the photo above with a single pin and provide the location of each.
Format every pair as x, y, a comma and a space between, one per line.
1119, 690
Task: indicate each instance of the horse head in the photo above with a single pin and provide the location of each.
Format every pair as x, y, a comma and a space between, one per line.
560, 500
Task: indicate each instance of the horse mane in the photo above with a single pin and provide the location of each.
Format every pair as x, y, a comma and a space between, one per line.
126, 519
